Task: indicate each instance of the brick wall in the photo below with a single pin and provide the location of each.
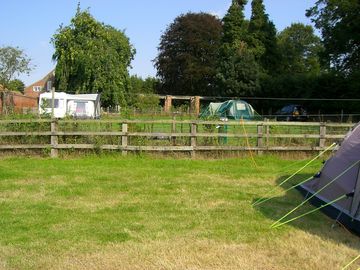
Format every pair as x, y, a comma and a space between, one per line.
17, 102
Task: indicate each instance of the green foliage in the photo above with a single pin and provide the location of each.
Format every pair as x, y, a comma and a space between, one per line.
308, 85
234, 23
238, 70
188, 54
140, 86
92, 58
147, 103
262, 38
16, 85
300, 49
142, 94
339, 22
13, 61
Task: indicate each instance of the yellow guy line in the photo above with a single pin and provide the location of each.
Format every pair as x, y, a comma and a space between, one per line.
248, 145
350, 263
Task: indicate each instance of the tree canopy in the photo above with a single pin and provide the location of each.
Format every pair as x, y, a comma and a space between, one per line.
237, 67
92, 57
13, 62
188, 53
262, 38
234, 23
339, 23
16, 85
300, 49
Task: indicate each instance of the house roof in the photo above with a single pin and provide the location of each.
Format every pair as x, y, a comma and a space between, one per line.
45, 78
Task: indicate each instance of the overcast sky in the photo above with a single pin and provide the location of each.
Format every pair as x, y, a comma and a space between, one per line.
31, 24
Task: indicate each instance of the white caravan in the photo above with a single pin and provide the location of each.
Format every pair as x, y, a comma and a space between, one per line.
78, 106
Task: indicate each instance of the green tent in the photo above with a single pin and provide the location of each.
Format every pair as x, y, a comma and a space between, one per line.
231, 109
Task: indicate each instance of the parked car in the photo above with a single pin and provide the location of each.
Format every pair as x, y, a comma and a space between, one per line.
292, 112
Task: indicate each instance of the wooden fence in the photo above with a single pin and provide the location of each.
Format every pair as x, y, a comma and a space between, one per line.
168, 135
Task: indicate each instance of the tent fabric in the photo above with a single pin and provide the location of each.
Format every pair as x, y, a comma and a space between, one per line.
231, 109
347, 155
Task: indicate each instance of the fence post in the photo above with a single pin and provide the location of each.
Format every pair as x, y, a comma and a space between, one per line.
260, 142
168, 104
322, 136
173, 130
267, 133
54, 138
195, 105
193, 139
124, 138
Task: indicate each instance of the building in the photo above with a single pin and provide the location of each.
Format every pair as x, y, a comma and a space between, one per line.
11, 101
45, 84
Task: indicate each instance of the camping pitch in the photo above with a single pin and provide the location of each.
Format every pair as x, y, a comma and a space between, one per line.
336, 188
231, 109
338, 183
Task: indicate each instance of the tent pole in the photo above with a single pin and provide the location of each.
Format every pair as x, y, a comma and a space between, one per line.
356, 200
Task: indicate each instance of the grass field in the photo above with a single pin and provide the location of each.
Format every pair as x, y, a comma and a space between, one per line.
110, 212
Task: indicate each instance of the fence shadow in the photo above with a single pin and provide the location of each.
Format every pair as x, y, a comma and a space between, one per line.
316, 223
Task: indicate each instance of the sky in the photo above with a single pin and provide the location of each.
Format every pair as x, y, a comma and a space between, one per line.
30, 24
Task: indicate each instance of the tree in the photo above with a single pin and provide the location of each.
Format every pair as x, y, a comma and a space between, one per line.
234, 23
300, 49
238, 71
92, 58
339, 22
142, 95
143, 86
262, 38
13, 62
16, 85
188, 52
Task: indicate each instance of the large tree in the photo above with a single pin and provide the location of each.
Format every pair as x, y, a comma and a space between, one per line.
262, 38
300, 49
234, 23
188, 51
92, 58
238, 71
13, 62
339, 22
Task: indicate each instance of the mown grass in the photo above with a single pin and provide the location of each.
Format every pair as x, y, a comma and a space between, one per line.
110, 212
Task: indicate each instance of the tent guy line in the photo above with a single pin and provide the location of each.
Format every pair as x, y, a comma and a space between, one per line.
261, 200
350, 263
316, 193
312, 211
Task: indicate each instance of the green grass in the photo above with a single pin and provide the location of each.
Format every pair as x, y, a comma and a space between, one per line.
157, 213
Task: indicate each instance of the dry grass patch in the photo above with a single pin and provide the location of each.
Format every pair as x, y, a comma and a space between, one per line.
295, 250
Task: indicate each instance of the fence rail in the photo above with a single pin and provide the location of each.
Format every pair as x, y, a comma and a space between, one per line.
168, 135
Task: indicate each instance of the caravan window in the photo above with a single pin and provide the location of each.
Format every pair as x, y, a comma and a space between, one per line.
47, 103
